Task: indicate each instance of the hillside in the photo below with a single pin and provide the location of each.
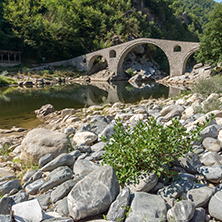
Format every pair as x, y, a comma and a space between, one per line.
60, 29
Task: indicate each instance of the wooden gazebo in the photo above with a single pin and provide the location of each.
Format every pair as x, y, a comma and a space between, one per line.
11, 57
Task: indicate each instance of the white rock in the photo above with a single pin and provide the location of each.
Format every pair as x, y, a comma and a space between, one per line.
85, 137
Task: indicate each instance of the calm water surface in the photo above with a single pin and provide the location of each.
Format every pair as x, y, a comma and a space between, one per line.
17, 105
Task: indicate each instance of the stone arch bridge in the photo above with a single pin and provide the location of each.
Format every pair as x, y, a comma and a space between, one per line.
177, 53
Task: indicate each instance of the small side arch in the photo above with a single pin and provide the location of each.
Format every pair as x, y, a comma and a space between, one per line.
177, 48
112, 54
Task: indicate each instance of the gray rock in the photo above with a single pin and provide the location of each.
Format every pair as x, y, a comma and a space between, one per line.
168, 109
44, 111
98, 126
84, 167
147, 207
33, 187
190, 162
37, 175
61, 160
6, 218
84, 128
107, 132
211, 144
45, 159
62, 190
183, 211
172, 114
85, 137
98, 155
39, 142
20, 197
212, 173
6, 187
75, 154
44, 200
96, 118
28, 211
83, 148
61, 207
209, 131
57, 177
119, 206
146, 182
28, 174
215, 205
94, 193
211, 159
5, 205
199, 215
200, 196
174, 190
67, 111
98, 146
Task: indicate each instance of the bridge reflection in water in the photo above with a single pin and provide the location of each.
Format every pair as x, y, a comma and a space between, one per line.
17, 106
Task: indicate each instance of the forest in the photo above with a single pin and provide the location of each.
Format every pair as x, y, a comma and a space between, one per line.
62, 29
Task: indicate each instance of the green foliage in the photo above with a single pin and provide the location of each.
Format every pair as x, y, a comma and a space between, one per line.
208, 106
211, 41
148, 147
59, 29
208, 86
129, 71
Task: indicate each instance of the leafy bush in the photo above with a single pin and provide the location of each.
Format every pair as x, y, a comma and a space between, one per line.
148, 147
209, 106
208, 86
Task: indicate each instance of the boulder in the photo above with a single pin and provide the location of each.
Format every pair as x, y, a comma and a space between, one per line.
211, 144
182, 211
63, 159
94, 193
5, 205
215, 206
33, 188
85, 137
57, 177
40, 142
6, 187
190, 162
199, 215
118, 207
62, 190
211, 159
146, 182
147, 207
28, 211
200, 196
84, 167
212, 173
44, 111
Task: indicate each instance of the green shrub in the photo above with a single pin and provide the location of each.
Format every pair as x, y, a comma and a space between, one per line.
208, 86
130, 72
208, 106
149, 147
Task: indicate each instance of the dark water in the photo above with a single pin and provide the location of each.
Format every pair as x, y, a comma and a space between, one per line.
17, 105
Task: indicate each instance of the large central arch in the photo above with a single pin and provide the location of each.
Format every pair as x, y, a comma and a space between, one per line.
130, 47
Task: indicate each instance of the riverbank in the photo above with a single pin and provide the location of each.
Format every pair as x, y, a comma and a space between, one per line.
54, 187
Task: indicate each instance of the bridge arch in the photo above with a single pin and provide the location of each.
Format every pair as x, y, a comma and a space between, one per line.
131, 46
92, 60
187, 56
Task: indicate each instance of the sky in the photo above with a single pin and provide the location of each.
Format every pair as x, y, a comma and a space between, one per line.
218, 0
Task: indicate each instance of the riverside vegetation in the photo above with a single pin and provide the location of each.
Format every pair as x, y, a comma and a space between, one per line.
146, 143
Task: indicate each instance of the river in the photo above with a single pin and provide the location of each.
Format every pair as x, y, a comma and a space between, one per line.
17, 105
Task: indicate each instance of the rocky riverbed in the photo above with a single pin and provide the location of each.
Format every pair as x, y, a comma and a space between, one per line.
54, 172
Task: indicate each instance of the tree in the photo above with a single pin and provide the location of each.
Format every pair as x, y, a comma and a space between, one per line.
211, 41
